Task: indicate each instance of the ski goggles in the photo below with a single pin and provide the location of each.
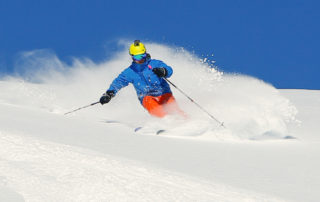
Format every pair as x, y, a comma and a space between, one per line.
139, 57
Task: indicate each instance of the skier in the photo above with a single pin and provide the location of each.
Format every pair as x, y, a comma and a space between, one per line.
146, 75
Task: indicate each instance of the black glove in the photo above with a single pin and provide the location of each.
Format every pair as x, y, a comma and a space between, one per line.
160, 71
106, 97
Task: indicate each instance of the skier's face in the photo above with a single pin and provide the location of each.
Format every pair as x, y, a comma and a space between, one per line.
139, 61
141, 58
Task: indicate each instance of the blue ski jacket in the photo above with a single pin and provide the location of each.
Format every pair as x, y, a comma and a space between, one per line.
143, 79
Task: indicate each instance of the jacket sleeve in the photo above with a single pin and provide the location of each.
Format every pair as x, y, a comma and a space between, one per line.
121, 81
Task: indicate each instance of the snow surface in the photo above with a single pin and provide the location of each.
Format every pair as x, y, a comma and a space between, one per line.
95, 155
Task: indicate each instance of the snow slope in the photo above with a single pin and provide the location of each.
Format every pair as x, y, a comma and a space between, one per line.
47, 156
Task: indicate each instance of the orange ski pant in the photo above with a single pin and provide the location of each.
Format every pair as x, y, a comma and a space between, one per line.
162, 105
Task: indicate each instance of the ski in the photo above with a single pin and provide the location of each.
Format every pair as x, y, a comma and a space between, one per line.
137, 130
158, 132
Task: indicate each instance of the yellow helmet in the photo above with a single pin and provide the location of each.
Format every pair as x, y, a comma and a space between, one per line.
137, 48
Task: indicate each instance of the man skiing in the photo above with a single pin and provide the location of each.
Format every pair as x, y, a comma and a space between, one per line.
147, 76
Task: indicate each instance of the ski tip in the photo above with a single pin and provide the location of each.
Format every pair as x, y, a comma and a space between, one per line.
137, 129
289, 137
222, 125
111, 121
160, 131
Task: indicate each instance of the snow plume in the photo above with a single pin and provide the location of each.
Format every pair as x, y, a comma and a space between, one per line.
250, 108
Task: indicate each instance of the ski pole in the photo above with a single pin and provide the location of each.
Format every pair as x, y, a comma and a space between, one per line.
82, 107
221, 123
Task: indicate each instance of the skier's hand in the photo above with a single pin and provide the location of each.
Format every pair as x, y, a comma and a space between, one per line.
160, 71
106, 97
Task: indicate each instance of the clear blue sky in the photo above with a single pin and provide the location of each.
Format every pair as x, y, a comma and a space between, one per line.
277, 41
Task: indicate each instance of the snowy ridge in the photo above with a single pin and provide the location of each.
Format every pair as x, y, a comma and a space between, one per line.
46, 156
